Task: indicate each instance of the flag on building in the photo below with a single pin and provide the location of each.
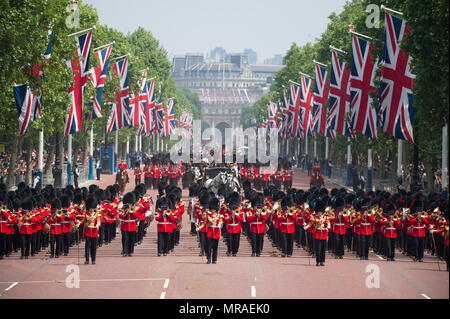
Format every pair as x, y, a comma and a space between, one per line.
321, 92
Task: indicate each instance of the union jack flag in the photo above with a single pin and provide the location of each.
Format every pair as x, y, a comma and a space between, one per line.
159, 110
295, 126
272, 112
28, 103
120, 69
98, 78
28, 106
169, 119
285, 116
321, 92
113, 121
363, 114
397, 81
339, 97
149, 113
80, 67
306, 104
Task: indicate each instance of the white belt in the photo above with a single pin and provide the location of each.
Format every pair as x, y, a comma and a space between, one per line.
339, 224
214, 226
65, 222
128, 221
163, 223
390, 228
55, 224
26, 224
322, 228
255, 223
3, 221
233, 224
92, 226
418, 227
365, 224
287, 223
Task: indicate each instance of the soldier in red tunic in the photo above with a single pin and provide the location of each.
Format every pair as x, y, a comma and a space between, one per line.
286, 220
233, 223
137, 174
257, 220
67, 223
92, 221
320, 225
213, 226
164, 218
419, 224
54, 221
338, 223
128, 216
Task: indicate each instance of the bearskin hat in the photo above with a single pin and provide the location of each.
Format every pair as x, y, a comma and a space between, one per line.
56, 204
214, 204
91, 202
65, 201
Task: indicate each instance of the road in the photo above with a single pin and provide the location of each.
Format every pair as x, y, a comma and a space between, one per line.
183, 274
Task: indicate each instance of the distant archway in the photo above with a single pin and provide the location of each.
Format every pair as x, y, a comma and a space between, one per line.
221, 127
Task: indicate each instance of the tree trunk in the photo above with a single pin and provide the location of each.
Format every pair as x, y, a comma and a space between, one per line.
12, 165
48, 162
29, 171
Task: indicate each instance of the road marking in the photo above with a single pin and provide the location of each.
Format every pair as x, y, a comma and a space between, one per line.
379, 257
253, 291
166, 283
425, 296
12, 286
163, 295
85, 280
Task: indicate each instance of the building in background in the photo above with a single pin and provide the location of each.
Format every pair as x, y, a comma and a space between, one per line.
252, 56
277, 59
224, 86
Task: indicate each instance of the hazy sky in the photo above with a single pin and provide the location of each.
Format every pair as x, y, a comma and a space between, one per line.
267, 26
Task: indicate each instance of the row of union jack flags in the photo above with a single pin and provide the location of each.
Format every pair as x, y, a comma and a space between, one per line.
138, 109
348, 89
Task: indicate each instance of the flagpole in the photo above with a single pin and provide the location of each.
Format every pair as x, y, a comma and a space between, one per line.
104, 46
369, 167
336, 49
81, 32
123, 56
304, 74
326, 155
349, 161
361, 35
41, 157
399, 157
69, 159
444, 170
91, 153
391, 11
128, 151
116, 145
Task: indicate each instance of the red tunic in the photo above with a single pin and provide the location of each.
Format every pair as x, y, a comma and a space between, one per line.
215, 222
257, 224
164, 223
128, 221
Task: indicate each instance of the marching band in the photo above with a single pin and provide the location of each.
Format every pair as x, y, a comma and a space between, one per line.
316, 220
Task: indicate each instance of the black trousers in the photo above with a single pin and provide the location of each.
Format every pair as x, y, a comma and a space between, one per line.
257, 242
75, 181
163, 242
25, 244
128, 242
233, 242
66, 237
287, 243
90, 248
212, 248
364, 245
418, 247
339, 244
99, 172
2, 244
55, 239
140, 233
389, 244
320, 246
202, 237
38, 241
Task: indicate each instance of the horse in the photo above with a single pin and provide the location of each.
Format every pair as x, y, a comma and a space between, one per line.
122, 179
231, 183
